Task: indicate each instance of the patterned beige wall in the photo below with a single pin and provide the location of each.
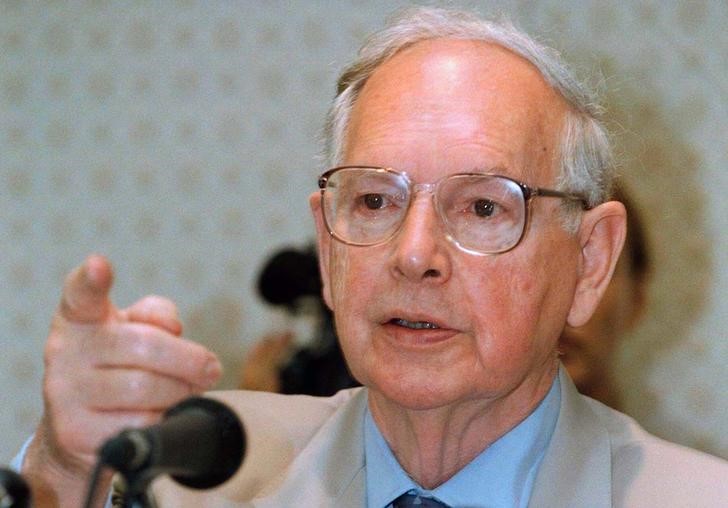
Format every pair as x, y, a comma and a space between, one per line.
180, 138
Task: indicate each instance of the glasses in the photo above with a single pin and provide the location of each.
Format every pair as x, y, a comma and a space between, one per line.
482, 213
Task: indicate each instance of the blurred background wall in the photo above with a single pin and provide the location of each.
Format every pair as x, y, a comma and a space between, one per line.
180, 138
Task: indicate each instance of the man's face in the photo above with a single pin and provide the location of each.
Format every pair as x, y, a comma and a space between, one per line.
437, 108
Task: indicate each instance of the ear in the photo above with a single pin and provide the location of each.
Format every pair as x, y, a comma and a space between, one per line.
601, 236
323, 241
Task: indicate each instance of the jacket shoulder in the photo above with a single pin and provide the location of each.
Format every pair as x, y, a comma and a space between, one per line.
649, 471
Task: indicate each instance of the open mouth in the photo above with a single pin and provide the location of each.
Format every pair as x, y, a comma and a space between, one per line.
414, 325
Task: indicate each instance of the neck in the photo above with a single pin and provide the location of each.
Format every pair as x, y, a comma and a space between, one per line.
433, 444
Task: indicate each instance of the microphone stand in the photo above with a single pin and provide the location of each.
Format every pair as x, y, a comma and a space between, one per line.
136, 491
131, 492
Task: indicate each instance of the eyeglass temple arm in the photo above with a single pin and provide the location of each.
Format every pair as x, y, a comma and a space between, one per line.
558, 194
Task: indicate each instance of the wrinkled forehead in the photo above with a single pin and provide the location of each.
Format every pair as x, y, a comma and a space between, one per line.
457, 105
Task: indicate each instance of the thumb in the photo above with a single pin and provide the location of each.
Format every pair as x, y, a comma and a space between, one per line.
85, 296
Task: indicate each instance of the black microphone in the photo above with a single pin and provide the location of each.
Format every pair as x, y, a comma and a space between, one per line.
200, 443
14, 491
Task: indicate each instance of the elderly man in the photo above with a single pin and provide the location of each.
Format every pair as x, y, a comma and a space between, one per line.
465, 222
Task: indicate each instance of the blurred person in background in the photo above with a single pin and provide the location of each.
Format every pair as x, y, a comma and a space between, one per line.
588, 351
296, 361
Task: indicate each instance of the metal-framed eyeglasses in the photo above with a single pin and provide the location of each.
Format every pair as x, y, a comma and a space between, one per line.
482, 213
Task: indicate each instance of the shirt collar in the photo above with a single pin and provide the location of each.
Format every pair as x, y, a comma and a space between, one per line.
501, 476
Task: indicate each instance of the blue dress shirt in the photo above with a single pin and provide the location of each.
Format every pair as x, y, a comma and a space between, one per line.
501, 476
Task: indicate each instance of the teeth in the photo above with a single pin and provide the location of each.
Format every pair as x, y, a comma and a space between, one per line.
415, 325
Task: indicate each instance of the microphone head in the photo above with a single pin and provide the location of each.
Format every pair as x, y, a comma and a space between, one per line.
228, 443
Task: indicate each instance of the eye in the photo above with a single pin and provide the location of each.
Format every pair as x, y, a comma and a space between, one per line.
484, 207
373, 201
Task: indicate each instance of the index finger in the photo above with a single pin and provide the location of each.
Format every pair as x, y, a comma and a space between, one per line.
85, 297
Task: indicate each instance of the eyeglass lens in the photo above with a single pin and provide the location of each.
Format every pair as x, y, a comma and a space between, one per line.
481, 213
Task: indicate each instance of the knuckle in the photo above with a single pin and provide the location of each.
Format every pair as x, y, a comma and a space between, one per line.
158, 304
140, 345
162, 301
197, 361
153, 391
140, 342
139, 383
158, 311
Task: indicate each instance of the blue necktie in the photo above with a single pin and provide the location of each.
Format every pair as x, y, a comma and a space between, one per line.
415, 501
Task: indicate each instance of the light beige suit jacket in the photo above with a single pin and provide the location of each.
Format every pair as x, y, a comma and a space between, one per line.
308, 452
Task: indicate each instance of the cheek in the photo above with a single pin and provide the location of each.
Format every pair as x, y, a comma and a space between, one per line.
356, 274
353, 284
338, 271
494, 299
520, 312
510, 296
356, 281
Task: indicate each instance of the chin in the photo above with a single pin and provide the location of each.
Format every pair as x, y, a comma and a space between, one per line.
418, 394
417, 402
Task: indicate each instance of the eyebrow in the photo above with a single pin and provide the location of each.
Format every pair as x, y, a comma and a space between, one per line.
499, 170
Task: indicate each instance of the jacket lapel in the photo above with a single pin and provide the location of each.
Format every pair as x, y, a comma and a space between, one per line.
330, 470
576, 469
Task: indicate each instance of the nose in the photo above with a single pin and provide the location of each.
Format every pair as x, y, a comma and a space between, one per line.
421, 253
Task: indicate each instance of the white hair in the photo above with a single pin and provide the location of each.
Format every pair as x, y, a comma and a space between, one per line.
586, 157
